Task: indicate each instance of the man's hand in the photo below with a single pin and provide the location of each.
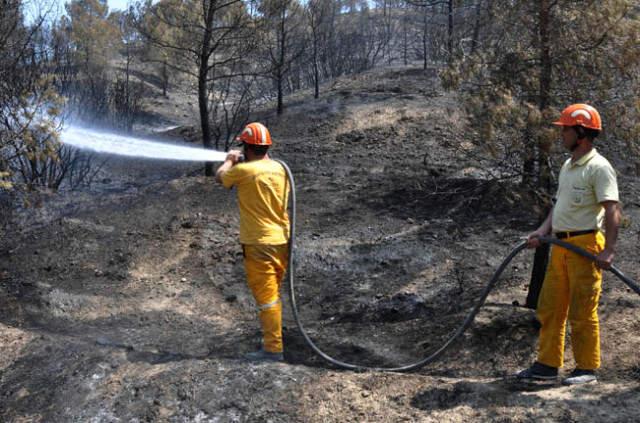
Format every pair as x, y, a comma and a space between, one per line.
232, 159
234, 156
543, 230
605, 258
532, 238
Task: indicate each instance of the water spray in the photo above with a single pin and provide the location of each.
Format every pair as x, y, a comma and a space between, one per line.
123, 145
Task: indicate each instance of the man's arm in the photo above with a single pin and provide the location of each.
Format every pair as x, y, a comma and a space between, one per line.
543, 230
611, 222
232, 159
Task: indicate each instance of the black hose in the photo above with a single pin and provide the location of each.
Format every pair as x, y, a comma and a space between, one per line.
628, 281
459, 331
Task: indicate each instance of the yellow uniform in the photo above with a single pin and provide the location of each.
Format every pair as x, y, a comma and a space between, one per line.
583, 185
572, 283
263, 192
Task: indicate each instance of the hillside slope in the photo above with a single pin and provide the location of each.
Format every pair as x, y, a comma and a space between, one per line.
127, 302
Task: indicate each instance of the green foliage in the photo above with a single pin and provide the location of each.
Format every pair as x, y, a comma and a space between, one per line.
537, 57
32, 63
5, 182
30, 104
93, 35
35, 145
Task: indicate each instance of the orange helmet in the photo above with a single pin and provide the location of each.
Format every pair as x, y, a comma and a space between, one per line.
255, 133
581, 115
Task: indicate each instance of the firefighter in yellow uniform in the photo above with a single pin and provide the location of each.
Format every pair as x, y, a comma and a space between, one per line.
586, 204
263, 192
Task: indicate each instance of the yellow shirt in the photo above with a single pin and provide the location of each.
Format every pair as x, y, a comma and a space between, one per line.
263, 192
582, 186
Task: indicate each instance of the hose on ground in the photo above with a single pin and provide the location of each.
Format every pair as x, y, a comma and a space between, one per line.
467, 322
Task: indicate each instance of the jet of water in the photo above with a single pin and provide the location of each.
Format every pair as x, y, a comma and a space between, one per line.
106, 142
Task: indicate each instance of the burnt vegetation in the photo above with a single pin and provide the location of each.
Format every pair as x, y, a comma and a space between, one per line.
418, 135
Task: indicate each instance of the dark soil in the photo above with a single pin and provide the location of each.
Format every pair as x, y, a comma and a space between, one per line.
127, 301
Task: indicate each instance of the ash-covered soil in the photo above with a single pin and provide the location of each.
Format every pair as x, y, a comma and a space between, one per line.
127, 301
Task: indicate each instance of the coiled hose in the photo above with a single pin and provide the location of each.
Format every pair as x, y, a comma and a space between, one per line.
459, 331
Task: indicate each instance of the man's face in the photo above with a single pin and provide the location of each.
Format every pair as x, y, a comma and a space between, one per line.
569, 138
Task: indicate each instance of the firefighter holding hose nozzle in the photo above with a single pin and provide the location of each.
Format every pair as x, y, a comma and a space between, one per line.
263, 192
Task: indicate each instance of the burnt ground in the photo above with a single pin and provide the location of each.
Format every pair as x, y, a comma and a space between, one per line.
127, 301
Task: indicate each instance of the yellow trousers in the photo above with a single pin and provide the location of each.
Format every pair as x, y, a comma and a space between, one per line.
265, 266
571, 288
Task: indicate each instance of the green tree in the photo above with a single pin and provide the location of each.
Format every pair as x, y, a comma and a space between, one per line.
127, 93
95, 41
533, 59
29, 104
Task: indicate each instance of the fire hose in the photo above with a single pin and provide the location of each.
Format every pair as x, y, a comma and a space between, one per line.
466, 323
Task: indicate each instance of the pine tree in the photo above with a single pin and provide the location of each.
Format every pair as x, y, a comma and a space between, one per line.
533, 59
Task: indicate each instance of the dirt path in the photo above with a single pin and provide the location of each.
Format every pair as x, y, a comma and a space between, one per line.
128, 302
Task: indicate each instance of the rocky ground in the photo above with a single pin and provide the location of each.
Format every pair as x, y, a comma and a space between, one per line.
127, 301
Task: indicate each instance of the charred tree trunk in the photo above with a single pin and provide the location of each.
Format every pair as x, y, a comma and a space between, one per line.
424, 38
281, 58
541, 257
544, 177
316, 71
203, 94
165, 78
127, 91
450, 31
476, 27
405, 43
